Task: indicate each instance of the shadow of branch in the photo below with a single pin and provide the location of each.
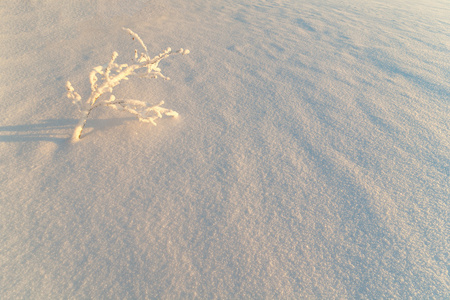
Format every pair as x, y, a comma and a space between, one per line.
53, 130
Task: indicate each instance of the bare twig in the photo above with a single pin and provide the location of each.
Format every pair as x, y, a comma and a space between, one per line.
111, 76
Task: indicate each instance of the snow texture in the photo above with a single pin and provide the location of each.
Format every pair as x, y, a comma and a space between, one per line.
310, 159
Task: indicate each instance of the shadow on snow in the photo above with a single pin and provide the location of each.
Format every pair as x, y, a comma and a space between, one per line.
54, 130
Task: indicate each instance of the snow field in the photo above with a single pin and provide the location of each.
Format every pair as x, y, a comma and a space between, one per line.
310, 158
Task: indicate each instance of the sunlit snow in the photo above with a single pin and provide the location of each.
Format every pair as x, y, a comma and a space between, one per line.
310, 158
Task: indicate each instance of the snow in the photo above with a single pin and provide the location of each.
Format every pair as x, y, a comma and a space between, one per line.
310, 157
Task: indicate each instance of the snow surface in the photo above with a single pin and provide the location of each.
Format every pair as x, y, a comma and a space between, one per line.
311, 157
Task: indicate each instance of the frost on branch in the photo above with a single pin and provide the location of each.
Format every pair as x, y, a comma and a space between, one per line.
111, 75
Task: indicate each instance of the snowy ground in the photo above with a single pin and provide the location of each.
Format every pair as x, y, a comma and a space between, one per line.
311, 157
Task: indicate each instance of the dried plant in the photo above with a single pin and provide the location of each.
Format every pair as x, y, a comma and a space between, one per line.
111, 76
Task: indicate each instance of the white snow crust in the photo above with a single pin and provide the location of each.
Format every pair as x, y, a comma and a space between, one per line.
310, 158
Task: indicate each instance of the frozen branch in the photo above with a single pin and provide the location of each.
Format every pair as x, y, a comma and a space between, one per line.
111, 75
